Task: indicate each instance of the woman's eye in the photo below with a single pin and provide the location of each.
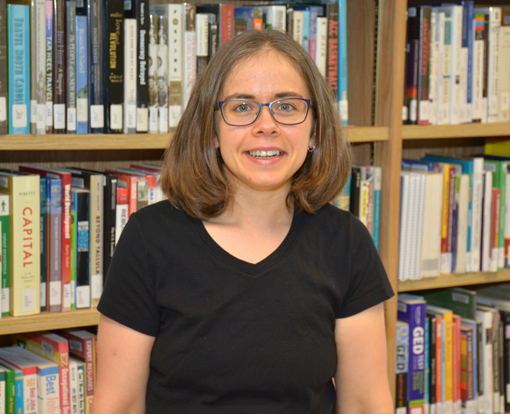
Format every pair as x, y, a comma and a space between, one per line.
285, 107
242, 108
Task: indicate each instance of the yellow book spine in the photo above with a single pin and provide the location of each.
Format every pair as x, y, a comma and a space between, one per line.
448, 357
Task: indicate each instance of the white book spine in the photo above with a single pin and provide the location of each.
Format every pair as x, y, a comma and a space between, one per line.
152, 74
121, 217
476, 224
175, 37
504, 84
162, 75
456, 65
478, 60
322, 43
96, 238
431, 239
297, 27
190, 53
81, 389
463, 211
73, 386
433, 69
420, 199
447, 70
440, 26
404, 221
487, 220
49, 392
130, 60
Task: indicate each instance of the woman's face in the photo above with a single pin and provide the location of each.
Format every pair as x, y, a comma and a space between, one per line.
264, 155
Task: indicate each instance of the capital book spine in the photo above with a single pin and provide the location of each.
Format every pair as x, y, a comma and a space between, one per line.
25, 258
332, 53
96, 81
141, 8
39, 67
401, 366
18, 40
83, 248
175, 67
49, 66
3, 68
71, 65
59, 67
114, 57
4, 252
414, 312
82, 75
54, 231
162, 74
152, 73
130, 54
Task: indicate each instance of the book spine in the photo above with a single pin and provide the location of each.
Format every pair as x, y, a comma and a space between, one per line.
54, 283
114, 57
74, 243
96, 238
322, 44
190, 54
456, 65
142, 86
5, 306
226, 23
342, 62
95, 15
175, 38
83, 251
82, 124
507, 219
162, 74
504, 66
33, 72
202, 30
73, 386
468, 39
478, 65
456, 353
130, 60
59, 68
110, 203
39, 67
152, 73
18, 49
71, 65
412, 68
49, 67
402, 367
81, 390
332, 54
3, 68
494, 56
446, 68
48, 391
494, 238
432, 364
424, 66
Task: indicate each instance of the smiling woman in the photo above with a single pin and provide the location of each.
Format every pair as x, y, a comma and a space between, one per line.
247, 292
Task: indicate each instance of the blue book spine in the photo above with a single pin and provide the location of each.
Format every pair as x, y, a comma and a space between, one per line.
306, 30
312, 43
414, 313
44, 210
468, 40
82, 126
18, 57
426, 387
377, 206
417, 165
18, 400
342, 62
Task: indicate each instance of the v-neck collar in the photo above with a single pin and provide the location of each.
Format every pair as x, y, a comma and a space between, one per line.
251, 268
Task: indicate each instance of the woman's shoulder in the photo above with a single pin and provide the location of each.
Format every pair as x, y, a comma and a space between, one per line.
160, 214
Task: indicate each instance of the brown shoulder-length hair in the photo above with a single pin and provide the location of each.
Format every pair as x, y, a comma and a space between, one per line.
193, 176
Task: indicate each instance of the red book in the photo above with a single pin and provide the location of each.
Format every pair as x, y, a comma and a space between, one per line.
132, 187
496, 201
66, 226
457, 363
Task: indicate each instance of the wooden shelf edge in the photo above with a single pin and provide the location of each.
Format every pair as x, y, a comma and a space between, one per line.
61, 142
367, 134
48, 321
455, 131
452, 280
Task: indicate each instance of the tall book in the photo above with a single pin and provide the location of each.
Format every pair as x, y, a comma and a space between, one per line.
24, 257
18, 58
3, 69
190, 53
162, 74
54, 244
114, 57
401, 366
82, 75
59, 67
5, 302
55, 349
175, 66
66, 226
70, 6
332, 10
413, 311
130, 78
82, 287
504, 66
152, 73
480, 36
39, 67
96, 88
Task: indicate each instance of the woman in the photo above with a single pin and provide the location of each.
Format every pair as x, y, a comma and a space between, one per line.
247, 292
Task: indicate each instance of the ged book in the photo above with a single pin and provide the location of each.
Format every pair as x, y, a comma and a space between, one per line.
401, 366
24, 221
18, 58
4, 255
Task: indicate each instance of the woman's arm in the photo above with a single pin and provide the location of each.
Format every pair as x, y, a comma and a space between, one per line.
362, 377
122, 369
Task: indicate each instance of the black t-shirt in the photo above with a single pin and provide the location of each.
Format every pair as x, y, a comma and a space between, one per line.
234, 337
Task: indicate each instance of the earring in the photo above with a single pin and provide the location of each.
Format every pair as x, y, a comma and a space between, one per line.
310, 150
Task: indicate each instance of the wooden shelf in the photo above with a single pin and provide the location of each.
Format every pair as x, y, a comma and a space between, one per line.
367, 134
48, 321
455, 131
452, 280
62, 142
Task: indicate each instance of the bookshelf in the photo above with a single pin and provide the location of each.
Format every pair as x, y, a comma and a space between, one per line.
376, 82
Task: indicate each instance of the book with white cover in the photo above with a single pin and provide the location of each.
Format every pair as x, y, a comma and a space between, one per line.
130, 74
486, 222
418, 201
462, 223
431, 237
433, 69
405, 199
478, 70
485, 316
322, 42
441, 107
504, 67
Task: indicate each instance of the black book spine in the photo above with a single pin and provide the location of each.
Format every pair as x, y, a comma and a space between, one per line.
142, 61
59, 67
3, 68
83, 249
95, 16
110, 204
506, 358
114, 59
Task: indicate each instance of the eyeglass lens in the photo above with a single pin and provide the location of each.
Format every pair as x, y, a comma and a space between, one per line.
285, 111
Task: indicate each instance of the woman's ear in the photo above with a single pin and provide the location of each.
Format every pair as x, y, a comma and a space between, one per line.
216, 142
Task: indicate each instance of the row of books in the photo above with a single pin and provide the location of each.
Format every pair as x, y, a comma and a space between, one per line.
59, 228
454, 215
126, 66
453, 351
46, 372
457, 64
361, 196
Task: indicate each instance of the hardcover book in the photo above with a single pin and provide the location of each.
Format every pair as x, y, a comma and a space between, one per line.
71, 65
3, 68
59, 67
96, 90
82, 76
5, 302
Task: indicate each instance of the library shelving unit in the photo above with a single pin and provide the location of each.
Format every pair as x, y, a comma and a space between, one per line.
376, 56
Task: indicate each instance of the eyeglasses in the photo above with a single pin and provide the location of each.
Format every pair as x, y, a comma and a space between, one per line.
287, 111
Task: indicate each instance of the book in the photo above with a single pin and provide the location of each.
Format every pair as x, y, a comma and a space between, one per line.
130, 75
162, 74
73, 385
485, 264
82, 285
18, 58
66, 226
95, 86
460, 300
431, 237
49, 66
82, 76
24, 243
121, 209
29, 374
10, 389
3, 69
413, 312
485, 316
401, 365
479, 54
44, 238
459, 247
152, 73
70, 8
343, 101
189, 48
504, 67
5, 302
114, 75
54, 244
55, 349
39, 66
331, 12
59, 67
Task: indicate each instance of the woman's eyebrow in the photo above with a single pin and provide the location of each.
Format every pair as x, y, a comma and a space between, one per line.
279, 95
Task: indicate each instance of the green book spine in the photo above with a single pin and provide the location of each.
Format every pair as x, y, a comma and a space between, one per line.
4, 253
10, 390
461, 301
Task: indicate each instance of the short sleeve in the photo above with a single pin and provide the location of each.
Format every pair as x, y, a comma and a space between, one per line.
129, 292
369, 284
